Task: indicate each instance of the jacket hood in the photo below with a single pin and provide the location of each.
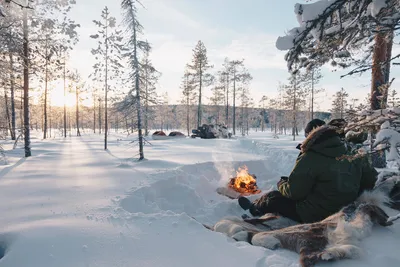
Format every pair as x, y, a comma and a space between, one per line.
324, 140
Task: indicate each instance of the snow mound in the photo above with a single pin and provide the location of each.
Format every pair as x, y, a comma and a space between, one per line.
393, 138
191, 189
172, 194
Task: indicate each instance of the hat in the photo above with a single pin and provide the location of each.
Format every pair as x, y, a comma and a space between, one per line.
340, 124
315, 123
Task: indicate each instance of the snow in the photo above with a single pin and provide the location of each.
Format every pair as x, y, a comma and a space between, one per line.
376, 6
306, 13
2, 13
74, 204
287, 42
393, 138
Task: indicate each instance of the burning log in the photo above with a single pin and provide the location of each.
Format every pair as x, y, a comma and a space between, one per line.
244, 184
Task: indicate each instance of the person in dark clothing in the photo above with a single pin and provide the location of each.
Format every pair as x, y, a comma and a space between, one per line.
315, 123
340, 125
320, 183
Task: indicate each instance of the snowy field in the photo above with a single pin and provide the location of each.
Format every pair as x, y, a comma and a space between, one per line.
74, 204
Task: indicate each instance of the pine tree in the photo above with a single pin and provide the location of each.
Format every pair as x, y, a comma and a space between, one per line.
238, 74
394, 100
218, 97
11, 43
294, 100
188, 96
149, 77
164, 110
246, 102
135, 28
108, 57
263, 100
26, 64
225, 76
52, 38
201, 78
311, 78
339, 104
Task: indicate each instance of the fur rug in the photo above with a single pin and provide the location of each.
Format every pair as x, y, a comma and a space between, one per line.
337, 237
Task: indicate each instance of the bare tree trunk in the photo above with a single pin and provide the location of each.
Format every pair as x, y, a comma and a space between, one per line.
242, 115
27, 136
312, 94
234, 104
378, 70
78, 133
12, 89
188, 112
199, 111
21, 114
106, 89
294, 109
99, 115
117, 122
146, 114
50, 119
137, 84
45, 90
65, 96
380, 77
227, 100
7, 111
94, 114
126, 124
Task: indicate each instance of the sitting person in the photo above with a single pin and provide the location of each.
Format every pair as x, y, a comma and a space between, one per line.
320, 184
309, 127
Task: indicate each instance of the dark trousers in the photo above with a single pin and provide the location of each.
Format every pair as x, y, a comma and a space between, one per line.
274, 202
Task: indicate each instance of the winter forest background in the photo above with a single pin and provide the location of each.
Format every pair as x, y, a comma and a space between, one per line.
84, 84
123, 91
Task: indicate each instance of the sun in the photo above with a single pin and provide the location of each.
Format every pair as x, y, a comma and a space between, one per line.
56, 95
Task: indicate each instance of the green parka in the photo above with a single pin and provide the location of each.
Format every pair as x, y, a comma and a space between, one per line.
320, 182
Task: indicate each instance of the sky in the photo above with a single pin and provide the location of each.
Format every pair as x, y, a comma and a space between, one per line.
229, 28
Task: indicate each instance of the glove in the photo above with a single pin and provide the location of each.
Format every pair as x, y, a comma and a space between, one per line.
298, 147
282, 181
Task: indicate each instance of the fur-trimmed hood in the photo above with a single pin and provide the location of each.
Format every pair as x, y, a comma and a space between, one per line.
324, 140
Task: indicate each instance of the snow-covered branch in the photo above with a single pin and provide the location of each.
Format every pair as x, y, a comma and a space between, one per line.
334, 30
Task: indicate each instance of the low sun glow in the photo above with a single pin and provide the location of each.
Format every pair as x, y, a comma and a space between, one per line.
56, 96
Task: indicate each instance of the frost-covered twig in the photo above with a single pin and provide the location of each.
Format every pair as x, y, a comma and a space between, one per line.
364, 68
394, 218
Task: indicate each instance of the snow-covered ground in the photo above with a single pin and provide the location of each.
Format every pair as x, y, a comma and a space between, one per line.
74, 204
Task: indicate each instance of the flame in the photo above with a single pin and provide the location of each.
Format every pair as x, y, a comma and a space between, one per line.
244, 182
243, 176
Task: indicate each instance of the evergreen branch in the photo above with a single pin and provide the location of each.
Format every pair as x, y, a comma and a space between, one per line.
364, 68
21, 5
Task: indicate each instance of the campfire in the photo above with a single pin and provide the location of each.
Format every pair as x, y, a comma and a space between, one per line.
244, 184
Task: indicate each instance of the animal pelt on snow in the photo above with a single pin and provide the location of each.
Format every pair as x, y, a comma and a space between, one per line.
337, 237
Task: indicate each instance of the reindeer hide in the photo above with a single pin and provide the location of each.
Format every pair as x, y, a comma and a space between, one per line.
337, 237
